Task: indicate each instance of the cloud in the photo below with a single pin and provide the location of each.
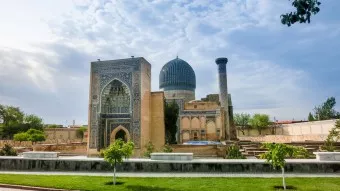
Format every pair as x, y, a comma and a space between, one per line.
266, 69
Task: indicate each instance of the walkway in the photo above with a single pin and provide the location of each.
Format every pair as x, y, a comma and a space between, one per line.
197, 175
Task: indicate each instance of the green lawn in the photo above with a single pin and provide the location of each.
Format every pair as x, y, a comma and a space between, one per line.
170, 184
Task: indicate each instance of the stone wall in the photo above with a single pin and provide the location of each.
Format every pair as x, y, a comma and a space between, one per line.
295, 132
284, 138
201, 150
147, 165
66, 149
63, 135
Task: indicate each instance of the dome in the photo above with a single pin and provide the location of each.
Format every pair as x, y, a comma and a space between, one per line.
177, 74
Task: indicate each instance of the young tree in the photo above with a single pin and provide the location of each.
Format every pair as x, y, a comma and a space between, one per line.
171, 111
21, 137
276, 154
310, 117
242, 121
116, 152
260, 121
304, 10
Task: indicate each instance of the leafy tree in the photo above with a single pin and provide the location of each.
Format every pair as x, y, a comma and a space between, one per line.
34, 121
242, 121
149, 149
303, 13
116, 152
260, 121
15, 121
233, 152
8, 150
310, 117
80, 133
21, 137
171, 111
326, 110
11, 115
333, 137
35, 135
276, 154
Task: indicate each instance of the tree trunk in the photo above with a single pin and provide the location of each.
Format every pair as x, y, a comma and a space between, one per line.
259, 129
114, 173
283, 178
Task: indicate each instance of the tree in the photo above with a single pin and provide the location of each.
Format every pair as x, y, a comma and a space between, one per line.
115, 152
276, 154
242, 121
171, 111
11, 115
21, 137
34, 121
303, 13
310, 117
15, 121
80, 133
326, 110
35, 135
260, 121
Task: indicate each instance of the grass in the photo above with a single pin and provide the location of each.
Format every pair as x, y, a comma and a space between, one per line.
170, 184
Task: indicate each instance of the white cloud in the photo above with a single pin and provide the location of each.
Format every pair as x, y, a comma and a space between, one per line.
69, 37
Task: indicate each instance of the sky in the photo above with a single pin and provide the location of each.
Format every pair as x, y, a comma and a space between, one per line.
46, 48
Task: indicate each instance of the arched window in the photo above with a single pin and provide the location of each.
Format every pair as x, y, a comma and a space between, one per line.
115, 98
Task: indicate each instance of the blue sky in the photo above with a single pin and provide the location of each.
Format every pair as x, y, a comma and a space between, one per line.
46, 48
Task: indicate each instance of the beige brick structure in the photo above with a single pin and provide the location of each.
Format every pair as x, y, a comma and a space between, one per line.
121, 105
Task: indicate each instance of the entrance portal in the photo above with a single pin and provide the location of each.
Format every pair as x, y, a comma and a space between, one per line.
121, 135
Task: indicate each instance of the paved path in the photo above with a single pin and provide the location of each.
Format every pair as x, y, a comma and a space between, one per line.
120, 174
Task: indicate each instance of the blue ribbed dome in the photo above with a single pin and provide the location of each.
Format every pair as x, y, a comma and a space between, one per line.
177, 74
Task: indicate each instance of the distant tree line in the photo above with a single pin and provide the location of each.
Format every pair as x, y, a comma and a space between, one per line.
13, 121
324, 111
259, 122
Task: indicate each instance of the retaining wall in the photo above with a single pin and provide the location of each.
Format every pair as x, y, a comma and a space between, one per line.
147, 165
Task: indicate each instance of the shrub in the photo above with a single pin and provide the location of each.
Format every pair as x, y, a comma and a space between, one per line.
333, 137
21, 137
233, 152
167, 148
8, 150
31, 135
149, 149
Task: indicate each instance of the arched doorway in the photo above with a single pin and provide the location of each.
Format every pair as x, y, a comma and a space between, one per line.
121, 135
120, 132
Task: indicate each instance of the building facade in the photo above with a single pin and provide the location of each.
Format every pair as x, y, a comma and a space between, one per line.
121, 105
206, 119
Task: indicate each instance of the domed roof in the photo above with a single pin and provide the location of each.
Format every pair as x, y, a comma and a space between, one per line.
177, 74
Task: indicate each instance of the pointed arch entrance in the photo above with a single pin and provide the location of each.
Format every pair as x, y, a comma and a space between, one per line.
120, 132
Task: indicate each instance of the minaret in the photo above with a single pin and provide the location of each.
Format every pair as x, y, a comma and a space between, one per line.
222, 78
